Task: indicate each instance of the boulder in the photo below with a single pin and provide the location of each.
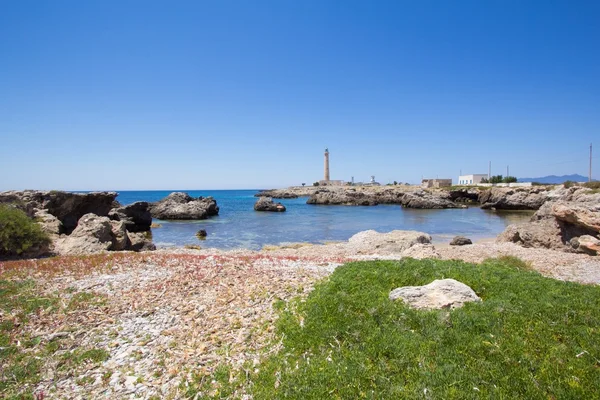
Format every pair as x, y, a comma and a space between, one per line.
587, 244
584, 214
460, 241
120, 240
201, 234
394, 242
439, 294
140, 241
93, 234
267, 204
425, 200
543, 233
181, 206
136, 216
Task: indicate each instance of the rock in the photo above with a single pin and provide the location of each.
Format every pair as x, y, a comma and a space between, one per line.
464, 195
342, 197
394, 242
93, 234
182, 206
420, 251
67, 207
267, 204
424, 200
49, 223
586, 215
587, 244
136, 216
201, 234
502, 198
140, 241
120, 240
460, 241
276, 194
439, 294
542, 233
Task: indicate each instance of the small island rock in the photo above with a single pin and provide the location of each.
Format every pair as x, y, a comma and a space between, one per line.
267, 204
181, 206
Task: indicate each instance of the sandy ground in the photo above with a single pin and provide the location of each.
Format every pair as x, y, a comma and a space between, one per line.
169, 315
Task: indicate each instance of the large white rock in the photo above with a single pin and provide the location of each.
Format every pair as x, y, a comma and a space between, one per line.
394, 242
441, 293
93, 234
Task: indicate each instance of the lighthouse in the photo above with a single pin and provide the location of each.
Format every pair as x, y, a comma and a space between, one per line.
326, 178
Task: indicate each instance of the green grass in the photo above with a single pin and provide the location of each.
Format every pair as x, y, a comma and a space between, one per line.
531, 337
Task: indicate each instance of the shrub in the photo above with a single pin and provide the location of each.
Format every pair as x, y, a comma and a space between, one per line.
18, 232
316, 184
592, 185
568, 184
509, 179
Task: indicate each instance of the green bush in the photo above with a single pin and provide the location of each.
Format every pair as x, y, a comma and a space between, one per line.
592, 185
18, 232
568, 184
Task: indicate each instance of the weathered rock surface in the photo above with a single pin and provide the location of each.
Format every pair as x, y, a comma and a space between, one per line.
49, 223
342, 197
140, 241
182, 206
267, 204
120, 240
67, 207
501, 198
460, 241
464, 195
587, 244
136, 216
276, 194
93, 234
439, 294
420, 251
568, 215
426, 200
394, 242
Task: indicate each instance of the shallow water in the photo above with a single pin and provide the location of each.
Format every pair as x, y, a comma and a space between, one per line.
239, 226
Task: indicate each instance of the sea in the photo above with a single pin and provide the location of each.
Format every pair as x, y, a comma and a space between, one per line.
238, 226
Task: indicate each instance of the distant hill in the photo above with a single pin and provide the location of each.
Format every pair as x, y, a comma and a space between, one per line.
556, 179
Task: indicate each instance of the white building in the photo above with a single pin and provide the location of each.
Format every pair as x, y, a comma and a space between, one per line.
471, 179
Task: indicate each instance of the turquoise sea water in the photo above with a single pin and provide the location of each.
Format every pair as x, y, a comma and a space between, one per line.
239, 226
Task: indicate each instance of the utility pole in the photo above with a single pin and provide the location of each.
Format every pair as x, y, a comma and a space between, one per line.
590, 176
490, 171
507, 174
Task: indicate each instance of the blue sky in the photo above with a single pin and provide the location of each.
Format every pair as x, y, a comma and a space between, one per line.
126, 94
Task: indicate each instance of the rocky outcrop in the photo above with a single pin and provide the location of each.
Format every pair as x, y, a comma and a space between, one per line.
420, 251
439, 294
136, 216
276, 194
342, 197
66, 206
464, 195
460, 241
181, 206
569, 221
267, 204
49, 223
501, 198
425, 200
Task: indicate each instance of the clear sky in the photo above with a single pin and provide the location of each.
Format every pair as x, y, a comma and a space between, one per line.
119, 95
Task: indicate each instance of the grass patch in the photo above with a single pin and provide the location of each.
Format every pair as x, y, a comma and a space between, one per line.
22, 356
532, 337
